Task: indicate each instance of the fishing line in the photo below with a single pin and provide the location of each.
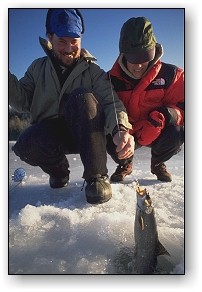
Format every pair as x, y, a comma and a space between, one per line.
115, 110
15, 186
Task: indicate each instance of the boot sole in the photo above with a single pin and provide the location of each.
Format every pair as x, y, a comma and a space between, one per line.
59, 186
166, 179
98, 200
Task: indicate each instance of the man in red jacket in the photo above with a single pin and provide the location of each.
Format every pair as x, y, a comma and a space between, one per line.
153, 94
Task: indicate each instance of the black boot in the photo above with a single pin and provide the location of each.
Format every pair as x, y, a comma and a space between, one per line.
57, 183
59, 175
98, 190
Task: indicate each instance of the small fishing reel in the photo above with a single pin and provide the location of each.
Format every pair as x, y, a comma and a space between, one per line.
19, 174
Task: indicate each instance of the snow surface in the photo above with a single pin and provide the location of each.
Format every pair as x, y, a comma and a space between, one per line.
58, 232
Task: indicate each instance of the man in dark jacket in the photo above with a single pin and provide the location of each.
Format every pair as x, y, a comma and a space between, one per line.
153, 94
71, 108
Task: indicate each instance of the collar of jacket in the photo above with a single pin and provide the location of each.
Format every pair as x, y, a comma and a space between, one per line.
47, 47
158, 55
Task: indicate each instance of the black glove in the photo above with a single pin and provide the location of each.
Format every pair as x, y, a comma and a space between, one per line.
169, 113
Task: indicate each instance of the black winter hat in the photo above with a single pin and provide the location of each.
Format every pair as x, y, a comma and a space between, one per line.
137, 41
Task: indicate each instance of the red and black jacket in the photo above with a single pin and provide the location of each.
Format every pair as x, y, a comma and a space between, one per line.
161, 88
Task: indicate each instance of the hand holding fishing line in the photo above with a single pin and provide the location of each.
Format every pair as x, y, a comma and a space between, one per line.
125, 144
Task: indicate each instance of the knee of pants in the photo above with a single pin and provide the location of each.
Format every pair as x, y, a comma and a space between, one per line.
82, 106
22, 149
92, 106
176, 135
172, 136
26, 147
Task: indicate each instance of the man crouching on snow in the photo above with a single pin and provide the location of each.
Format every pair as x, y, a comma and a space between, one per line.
71, 106
153, 94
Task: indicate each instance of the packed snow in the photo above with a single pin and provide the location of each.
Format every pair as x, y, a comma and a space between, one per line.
58, 232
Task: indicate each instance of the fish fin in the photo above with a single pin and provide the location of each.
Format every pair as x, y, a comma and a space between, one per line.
161, 250
141, 221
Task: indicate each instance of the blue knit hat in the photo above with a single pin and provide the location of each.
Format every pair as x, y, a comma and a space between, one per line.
64, 22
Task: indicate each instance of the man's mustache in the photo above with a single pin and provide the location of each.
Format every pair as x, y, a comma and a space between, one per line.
70, 53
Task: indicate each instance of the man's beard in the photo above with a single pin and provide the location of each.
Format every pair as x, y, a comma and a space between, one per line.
62, 63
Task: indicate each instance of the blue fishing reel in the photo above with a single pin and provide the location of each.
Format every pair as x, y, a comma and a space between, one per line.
18, 175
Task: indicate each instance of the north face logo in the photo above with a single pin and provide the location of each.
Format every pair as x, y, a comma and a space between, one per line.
159, 81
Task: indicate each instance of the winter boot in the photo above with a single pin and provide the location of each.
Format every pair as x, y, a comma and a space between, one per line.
121, 172
98, 190
161, 172
56, 182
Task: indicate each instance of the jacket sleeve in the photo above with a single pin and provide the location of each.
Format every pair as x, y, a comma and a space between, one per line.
109, 100
21, 91
174, 99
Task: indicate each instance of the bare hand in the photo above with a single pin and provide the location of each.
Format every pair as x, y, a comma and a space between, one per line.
125, 144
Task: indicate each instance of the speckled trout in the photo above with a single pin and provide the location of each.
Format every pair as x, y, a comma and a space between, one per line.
147, 244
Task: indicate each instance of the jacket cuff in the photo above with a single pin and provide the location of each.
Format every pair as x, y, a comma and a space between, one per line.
119, 128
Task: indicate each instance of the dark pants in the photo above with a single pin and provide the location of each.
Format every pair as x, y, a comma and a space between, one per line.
80, 129
162, 149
